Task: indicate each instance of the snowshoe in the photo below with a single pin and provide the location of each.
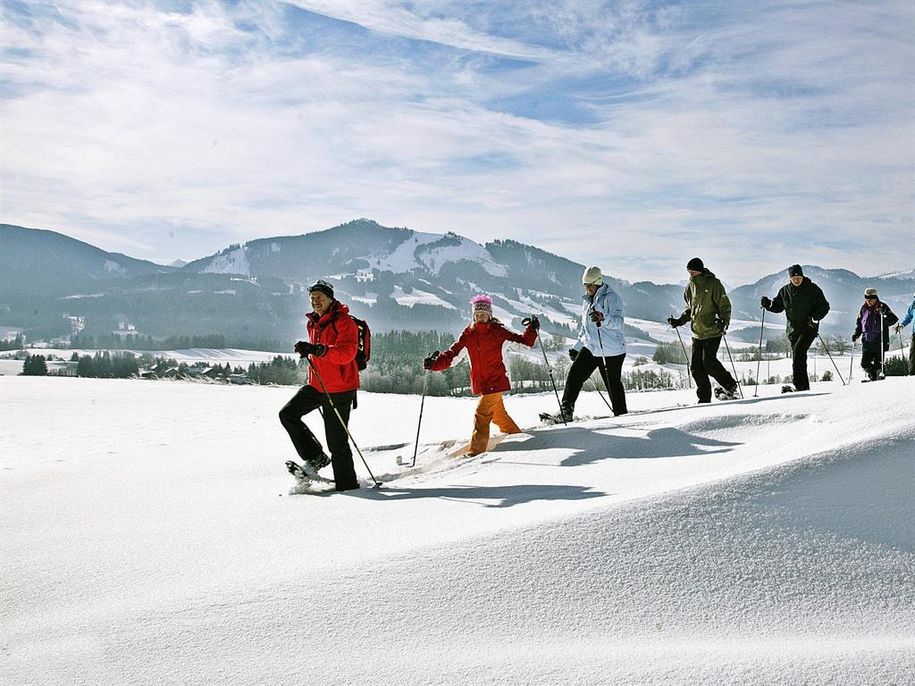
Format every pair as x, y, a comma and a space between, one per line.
551, 419
305, 474
725, 394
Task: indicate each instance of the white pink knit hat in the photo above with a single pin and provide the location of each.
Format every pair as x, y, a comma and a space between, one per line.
481, 303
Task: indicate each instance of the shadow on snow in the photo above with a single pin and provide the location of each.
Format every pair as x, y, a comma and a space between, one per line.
486, 496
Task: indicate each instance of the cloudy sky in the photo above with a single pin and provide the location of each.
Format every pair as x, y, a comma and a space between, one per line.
633, 135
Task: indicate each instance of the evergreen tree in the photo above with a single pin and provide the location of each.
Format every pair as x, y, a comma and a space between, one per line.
35, 365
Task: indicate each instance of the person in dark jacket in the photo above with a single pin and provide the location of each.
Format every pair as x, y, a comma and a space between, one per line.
804, 306
873, 326
708, 308
483, 341
332, 344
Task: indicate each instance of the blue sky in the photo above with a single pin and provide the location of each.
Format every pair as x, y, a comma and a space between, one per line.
632, 135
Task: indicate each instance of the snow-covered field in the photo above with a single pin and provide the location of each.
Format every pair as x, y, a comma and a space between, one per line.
148, 537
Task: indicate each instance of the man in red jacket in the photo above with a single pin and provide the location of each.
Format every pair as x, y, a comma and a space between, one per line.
332, 344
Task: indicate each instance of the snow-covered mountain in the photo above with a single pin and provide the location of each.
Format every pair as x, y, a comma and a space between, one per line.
907, 276
36, 261
410, 279
396, 278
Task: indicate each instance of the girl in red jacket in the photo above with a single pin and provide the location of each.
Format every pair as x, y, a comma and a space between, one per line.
483, 340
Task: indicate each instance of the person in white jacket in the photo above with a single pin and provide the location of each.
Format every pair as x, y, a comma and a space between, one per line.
601, 344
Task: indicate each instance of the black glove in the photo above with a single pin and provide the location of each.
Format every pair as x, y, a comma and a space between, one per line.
722, 327
855, 336
765, 303
428, 361
304, 348
573, 353
813, 324
674, 321
597, 317
534, 323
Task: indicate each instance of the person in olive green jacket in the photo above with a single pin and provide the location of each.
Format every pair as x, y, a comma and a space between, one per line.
709, 309
804, 305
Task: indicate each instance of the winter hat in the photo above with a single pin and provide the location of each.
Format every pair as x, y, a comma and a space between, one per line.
322, 287
795, 270
592, 276
870, 293
695, 265
482, 303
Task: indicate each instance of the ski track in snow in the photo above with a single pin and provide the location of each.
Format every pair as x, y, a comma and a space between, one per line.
147, 537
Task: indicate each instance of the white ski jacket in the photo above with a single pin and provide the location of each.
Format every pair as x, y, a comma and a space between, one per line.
608, 339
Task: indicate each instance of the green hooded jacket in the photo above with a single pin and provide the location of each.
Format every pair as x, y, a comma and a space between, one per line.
708, 306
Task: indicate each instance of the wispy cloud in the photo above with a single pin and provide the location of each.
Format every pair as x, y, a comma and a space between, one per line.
630, 134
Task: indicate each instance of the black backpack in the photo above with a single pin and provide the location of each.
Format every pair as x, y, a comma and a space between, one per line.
363, 341
364, 338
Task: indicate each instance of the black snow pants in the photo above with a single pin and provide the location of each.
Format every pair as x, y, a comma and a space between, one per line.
307, 446
800, 344
871, 359
704, 363
582, 367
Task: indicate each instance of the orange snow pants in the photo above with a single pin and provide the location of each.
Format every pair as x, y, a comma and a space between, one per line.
489, 409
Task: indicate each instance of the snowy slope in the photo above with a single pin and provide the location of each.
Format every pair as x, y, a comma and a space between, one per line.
147, 537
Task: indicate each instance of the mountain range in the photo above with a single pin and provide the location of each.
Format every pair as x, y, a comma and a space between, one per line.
396, 278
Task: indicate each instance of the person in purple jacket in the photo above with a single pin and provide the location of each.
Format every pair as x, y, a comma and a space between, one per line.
873, 326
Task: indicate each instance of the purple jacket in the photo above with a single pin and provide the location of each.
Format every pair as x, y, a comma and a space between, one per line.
868, 324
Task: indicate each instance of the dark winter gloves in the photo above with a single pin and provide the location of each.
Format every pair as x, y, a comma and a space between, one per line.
855, 336
534, 323
573, 353
429, 361
813, 325
677, 321
304, 348
765, 302
597, 317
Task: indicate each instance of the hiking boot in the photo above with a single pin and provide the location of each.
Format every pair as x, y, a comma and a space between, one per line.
314, 465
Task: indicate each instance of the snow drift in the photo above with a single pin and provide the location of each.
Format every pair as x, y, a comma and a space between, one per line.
769, 540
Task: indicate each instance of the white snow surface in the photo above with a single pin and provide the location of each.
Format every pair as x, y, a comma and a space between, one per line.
404, 257
148, 537
417, 297
232, 262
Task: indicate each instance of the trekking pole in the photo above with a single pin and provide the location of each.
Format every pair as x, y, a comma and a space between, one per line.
733, 366
525, 322
901, 352
851, 361
826, 348
762, 325
685, 357
882, 351
603, 368
422, 402
342, 423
